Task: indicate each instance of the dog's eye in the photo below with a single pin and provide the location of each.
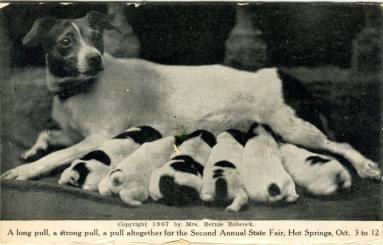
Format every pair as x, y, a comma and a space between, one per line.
66, 42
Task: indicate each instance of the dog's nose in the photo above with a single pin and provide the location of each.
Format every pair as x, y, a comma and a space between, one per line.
95, 61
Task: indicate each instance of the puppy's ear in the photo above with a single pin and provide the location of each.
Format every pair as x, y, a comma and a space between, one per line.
100, 21
38, 31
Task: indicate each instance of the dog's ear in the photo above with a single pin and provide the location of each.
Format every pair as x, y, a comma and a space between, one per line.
100, 21
38, 31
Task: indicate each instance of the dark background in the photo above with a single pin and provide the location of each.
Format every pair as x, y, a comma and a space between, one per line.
174, 33
311, 42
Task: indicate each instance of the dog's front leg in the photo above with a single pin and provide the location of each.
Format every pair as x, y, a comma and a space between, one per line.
45, 139
54, 160
285, 123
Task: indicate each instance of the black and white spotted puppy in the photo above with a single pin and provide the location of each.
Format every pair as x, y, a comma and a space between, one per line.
131, 177
88, 171
318, 174
221, 177
263, 174
179, 181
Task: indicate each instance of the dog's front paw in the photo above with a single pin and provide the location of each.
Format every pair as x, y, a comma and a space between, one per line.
369, 169
22, 172
29, 154
35, 151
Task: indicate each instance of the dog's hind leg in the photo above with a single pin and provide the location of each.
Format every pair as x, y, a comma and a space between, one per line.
45, 139
238, 202
54, 160
134, 195
293, 129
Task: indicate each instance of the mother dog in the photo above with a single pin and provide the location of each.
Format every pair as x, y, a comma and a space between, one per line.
98, 96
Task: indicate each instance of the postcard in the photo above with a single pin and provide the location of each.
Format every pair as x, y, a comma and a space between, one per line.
191, 122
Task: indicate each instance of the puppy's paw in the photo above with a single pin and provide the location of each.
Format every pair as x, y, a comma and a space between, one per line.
369, 169
133, 203
89, 187
343, 180
104, 187
22, 172
127, 197
206, 197
233, 208
292, 198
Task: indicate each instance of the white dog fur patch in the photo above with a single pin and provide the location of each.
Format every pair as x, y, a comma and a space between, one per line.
263, 174
318, 174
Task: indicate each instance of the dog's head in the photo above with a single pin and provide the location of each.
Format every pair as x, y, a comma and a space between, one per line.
74, 47
87, 171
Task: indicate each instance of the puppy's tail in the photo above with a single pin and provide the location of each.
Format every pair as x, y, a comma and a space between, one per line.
221, 189
288, 192
117, 178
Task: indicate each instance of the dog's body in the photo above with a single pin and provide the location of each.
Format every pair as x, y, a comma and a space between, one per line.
318, 174
119, 93
131, 177
263, 175
222, 180
179, 181
88, 171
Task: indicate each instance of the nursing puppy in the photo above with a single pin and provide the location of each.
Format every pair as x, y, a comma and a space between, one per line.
221, 177
88, 171
130, 179
263, 174
179, 181
318, 174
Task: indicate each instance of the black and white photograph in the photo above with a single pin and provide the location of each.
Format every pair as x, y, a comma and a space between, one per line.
191, 111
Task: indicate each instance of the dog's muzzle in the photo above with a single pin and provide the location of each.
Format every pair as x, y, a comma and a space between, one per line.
95, 64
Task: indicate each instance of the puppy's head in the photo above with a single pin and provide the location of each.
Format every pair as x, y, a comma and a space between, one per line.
74, 47
112, 183
75, 175
328, 176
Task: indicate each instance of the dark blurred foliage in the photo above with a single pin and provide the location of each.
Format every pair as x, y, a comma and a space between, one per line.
310, 34
183, 33
195, 33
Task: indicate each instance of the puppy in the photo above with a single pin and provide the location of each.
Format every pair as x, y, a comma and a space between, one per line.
221, 177
88, 171
318, 174
130, 179
263, 174
179, 181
